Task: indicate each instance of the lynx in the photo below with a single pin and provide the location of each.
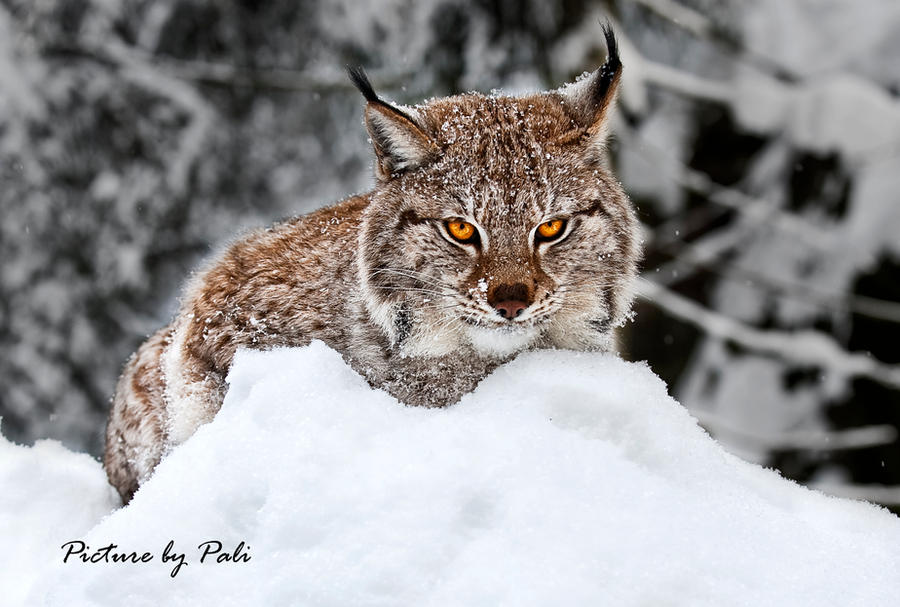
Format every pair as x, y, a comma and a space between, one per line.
494, 227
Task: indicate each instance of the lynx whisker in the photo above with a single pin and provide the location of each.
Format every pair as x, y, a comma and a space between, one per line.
433, 306
412, 290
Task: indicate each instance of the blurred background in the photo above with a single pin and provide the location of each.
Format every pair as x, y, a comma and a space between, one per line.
760, 141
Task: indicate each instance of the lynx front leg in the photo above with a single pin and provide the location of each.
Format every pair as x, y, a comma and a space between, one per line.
136, 431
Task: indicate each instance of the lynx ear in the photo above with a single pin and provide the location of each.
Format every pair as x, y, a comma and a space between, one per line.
593, 97
400, 143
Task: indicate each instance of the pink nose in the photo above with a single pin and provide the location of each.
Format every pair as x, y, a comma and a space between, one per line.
510, 309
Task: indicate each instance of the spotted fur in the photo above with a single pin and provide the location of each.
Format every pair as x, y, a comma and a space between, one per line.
378, 278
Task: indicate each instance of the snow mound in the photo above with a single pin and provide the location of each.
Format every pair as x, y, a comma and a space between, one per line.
564, 479
47, 495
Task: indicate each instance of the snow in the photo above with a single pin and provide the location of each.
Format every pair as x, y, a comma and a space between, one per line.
565, 478
48, 493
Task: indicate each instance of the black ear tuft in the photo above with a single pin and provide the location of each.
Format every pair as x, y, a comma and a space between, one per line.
400, 142
612, 46
609, 72
592, 98
361, 81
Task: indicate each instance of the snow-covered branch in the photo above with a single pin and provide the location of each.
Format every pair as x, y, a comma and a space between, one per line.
812, 440
707, 255
136, 68
757, 211
234, 76
703, 27
687, 18
879, 494
807, 347
685, 83
266, 78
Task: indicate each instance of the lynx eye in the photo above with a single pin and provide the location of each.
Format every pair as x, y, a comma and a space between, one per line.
551, 230
461, 231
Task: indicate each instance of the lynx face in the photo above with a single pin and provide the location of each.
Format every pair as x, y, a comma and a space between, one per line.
496, 224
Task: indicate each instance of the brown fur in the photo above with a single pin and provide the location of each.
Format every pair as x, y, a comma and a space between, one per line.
378, 278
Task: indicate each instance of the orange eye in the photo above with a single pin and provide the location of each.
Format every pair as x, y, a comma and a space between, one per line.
551, 229
462, 231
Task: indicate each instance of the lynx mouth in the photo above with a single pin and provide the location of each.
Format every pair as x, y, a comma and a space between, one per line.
500, 339
504, 326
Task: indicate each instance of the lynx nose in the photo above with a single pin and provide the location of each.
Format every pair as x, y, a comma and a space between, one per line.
510, 309
509, 300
